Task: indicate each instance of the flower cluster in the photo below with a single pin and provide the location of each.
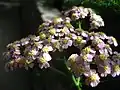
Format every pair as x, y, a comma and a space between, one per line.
77, 13
25, 52
96, 58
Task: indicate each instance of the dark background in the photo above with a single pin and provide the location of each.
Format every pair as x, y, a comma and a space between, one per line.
19, 21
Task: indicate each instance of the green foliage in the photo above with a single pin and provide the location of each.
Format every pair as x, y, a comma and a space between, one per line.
112, 4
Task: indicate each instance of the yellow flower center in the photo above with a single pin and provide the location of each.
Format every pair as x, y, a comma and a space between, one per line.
52, 31
28, 62
73, 15
84, 57
64, 29
86, 50
93, 77
79, 39
117, 68
57, 20
42, 36
106, 68
45, 49
42, 60
30, 54
102, 57
65, 41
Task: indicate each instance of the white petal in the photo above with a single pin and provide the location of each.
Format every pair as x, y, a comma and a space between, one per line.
58, 30
34, 52
115, 44
70, 43
93, 84
73, 57
114, 74
50, 48
46, 56
118, 73
40, 46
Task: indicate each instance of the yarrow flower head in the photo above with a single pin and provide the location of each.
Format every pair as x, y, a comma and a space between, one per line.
95, 58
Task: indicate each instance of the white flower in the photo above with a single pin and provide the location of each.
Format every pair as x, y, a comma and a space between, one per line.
44, 65
88, 50
73, 57
65, 30
72, 36
96, 17
101, 45
102, 35
17, 51
83, 12
34, 38
39, 44
84, 34
66, 42
47, 56
109, 49
17, 43
43, 60
93, 78
58, 30
116, 70
112, 40
34, 52
71, 62
96, 21
103, 51
94, 24
55, 44
104, 70
52, 31
87, 57
47, 48
24, 41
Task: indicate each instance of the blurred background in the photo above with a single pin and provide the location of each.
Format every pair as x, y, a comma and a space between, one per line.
19, 18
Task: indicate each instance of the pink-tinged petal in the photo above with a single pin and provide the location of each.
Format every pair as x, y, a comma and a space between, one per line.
101, 45
89, 57
74, 36
70, 43
84, 34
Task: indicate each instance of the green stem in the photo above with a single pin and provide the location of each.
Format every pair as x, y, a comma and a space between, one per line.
77, 82
79, 88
